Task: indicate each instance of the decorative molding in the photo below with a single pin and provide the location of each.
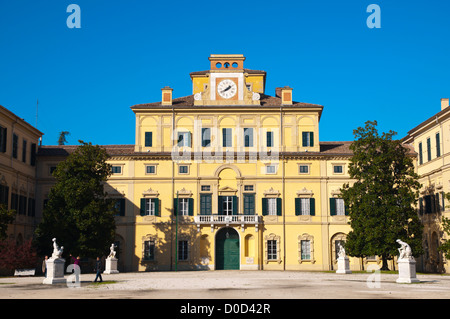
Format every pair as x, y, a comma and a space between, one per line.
271, 193
150, 193
311, 243
184, 193
305, 193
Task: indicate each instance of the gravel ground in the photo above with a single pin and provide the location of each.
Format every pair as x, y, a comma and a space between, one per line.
231, 285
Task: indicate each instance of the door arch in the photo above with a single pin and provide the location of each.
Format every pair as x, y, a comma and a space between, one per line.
227, 249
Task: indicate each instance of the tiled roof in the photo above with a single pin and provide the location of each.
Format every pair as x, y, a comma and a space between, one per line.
326, 149
65, 150
188, 101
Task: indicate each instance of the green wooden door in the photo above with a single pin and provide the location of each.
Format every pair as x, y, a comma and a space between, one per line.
227, 249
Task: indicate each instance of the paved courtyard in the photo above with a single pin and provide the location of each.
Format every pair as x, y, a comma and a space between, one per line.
231, 285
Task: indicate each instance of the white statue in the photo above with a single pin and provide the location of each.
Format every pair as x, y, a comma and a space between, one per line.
57, 252
341, 252
404, 250
112, 252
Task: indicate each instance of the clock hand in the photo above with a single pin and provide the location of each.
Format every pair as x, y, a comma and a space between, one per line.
229, 87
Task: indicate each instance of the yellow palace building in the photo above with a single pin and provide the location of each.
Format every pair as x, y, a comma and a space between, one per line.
228, 177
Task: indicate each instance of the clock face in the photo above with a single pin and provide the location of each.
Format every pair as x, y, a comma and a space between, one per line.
227, 89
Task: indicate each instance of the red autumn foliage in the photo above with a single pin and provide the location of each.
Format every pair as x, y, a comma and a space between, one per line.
14, 256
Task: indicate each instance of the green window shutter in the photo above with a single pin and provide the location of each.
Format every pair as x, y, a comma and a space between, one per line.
249, 204
311, 139
264, 206
421, 206
312, 206
279, 210
443, 201
220, 205
332, 206
148, 139
347, 209
175, 207
156, 206
191, 206
189, 142
429, 149
142, 206
420, 154
269, 138
438, 145
304, 138
298, 206
122, 207
235, 205
205, 204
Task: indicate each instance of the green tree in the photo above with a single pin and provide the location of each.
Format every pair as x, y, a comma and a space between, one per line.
445, 246
78, 213
382, 199
62, 137
6, 217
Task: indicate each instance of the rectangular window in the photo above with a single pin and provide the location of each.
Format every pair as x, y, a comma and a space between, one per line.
150, 169
182, 250
340, 206
429, 149
438, 145
338, 169
303, 169
148, 139
206, 188
184, 139
248, 137
227, 138
248, 188
33, 155
269, 139
206, 137
116, 169
183, 169
271, 169
306, 249
272, 250
24, 151
149, 250
308, 139
183, 205
3, 136
119, 206
271, 206
420, 154
305, 206
14, 145
150, 207
249, 204
227, 205
205, 204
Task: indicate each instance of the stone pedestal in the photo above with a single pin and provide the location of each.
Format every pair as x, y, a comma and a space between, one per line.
407, 270
55, 271
111, 266
343, 266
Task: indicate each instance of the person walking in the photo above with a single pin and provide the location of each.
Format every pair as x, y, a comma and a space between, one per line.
77, 268
98, 269
44, 266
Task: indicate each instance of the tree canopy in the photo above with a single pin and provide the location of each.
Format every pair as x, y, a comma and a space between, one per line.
78, 213
382, 199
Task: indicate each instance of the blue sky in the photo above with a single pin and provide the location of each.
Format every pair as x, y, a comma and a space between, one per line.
125, 51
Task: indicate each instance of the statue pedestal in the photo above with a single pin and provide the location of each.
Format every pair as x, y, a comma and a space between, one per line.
343, 266
407, 271
111, 266
55, 271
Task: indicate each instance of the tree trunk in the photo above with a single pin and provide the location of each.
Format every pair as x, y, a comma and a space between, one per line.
385, 263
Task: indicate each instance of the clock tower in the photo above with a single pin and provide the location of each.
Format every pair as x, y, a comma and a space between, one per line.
226, 83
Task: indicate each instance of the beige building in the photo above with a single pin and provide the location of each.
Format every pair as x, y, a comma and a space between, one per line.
18, 147
431, 141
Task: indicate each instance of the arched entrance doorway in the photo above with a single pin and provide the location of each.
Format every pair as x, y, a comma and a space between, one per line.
227, 249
